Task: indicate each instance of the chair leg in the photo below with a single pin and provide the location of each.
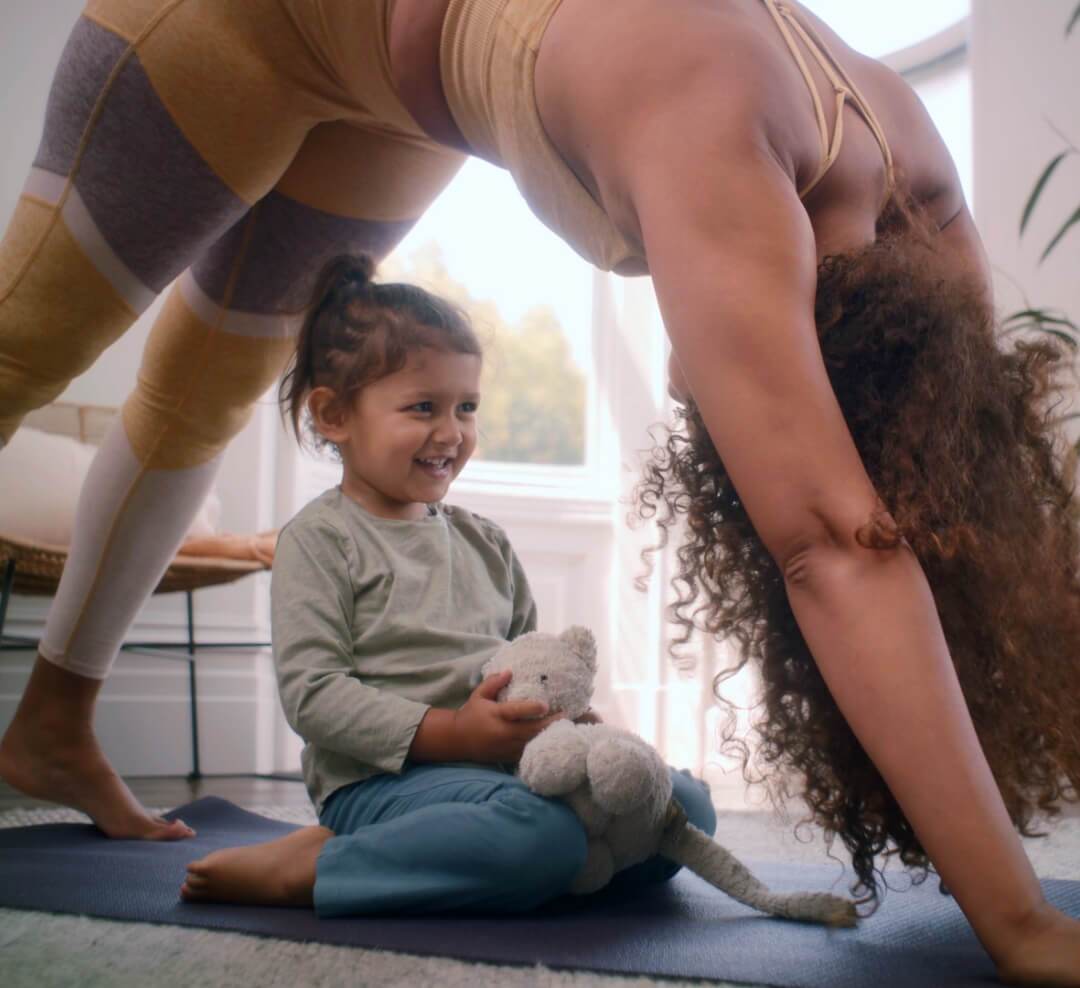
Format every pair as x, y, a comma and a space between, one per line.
193, 695
5, 592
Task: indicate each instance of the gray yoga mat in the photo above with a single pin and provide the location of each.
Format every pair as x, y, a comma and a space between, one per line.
685, 928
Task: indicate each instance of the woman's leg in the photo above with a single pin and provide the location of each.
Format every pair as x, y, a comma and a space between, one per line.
118, 202
124, 194
223, 336
693, 796
434, 839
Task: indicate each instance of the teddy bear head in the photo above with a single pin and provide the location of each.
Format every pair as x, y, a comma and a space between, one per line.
558, 669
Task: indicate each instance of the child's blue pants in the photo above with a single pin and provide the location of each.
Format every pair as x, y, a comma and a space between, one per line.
452, 838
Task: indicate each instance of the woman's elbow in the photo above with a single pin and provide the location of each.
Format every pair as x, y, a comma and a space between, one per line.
829, 538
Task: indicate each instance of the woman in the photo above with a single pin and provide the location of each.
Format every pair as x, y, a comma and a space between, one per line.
710, 144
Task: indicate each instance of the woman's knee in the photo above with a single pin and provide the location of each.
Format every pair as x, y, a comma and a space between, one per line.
197, 388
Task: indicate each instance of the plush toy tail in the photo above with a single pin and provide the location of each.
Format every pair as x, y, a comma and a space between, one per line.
684, 844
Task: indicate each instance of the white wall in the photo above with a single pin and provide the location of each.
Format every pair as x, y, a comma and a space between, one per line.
1026, 85
1026, 75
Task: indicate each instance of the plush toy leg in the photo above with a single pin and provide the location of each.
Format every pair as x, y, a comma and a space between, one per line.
553, 763
598, 870
690, 847
595, 820
626, 774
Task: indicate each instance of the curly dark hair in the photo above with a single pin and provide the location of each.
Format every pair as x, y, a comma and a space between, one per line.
957, 435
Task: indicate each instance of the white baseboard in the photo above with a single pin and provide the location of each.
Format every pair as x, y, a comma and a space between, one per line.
143, 714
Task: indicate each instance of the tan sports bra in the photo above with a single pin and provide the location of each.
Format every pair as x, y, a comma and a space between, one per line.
843, 88
488, 58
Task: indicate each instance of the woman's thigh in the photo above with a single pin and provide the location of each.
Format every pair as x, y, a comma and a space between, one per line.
183, 132
230, 324
135, 177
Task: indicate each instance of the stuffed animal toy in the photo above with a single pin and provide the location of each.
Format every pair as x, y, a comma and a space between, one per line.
619, 786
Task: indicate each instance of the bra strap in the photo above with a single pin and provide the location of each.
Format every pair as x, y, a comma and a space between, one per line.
842, 85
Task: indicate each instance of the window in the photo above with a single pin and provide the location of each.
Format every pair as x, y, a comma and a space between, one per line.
883, 32
530, 298
927, 43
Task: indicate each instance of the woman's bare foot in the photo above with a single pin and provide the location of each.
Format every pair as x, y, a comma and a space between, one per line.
49, 752
278, 873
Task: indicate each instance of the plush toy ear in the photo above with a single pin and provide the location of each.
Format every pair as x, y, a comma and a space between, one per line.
581, 642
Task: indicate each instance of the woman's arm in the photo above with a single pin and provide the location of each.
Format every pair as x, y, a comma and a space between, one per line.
962, 240
733, 258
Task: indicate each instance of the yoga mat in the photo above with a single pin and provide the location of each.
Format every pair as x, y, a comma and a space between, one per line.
684, 928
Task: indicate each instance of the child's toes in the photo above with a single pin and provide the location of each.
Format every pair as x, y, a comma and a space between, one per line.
194, 883
199, 867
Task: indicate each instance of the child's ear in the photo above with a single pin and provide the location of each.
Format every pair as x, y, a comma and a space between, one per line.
328, 414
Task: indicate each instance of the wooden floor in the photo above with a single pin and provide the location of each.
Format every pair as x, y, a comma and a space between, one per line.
172, 791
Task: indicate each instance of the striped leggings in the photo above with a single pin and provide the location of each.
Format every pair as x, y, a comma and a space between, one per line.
228, 149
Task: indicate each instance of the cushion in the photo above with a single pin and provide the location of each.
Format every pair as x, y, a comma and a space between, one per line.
41, 474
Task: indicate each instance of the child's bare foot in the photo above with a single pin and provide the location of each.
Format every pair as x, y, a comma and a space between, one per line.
278, 873
49, 752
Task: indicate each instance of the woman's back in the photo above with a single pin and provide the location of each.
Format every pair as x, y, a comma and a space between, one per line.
604, 69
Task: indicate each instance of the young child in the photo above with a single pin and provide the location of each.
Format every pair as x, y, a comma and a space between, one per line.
385, 604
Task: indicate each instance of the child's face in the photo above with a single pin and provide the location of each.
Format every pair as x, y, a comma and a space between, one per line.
410, 433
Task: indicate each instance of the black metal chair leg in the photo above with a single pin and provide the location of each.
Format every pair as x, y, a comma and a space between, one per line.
193, 694
5, 592
161, 649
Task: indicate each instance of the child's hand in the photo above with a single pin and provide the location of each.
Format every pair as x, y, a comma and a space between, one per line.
589, 717
489, 731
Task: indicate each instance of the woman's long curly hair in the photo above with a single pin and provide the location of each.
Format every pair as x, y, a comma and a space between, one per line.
958, 438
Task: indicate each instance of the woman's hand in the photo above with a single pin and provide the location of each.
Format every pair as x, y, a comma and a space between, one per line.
1046, 952
489, 731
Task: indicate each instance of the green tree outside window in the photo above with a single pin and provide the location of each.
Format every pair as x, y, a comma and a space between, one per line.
532, 407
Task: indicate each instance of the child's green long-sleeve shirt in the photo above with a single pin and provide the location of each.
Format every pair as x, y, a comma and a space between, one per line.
374, 620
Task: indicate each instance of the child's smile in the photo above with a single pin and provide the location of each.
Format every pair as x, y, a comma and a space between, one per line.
437, 466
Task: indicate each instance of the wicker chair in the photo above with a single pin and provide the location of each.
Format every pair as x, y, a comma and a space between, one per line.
33, 569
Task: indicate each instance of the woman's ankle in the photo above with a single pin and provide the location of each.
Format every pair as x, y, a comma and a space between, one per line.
58, 699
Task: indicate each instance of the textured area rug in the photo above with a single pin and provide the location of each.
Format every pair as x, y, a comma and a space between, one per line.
685, 929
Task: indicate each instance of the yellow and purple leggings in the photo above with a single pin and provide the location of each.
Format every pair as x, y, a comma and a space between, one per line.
231, 147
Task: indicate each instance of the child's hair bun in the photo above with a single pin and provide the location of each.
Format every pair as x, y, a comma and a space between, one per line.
362, 268
356, 269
